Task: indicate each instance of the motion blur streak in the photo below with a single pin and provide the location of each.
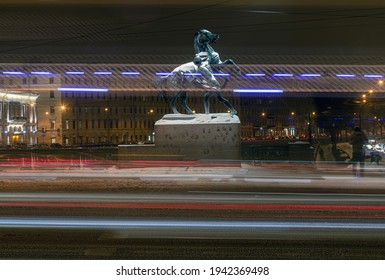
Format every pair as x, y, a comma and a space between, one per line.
197, 206
167, 223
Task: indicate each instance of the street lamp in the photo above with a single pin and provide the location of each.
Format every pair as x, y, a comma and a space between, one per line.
363, 103
108, 124
293, 128
312, 114
150, 137
263, 123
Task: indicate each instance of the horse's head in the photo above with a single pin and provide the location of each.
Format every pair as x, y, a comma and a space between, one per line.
206, 36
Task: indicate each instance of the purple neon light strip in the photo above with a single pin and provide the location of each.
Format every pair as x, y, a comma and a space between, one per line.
163, 73
373, 76
74, 73
84, 89
255, 75
130, 73
41, 73
310, 75
13, 73
282, 75
221, 74
345, 75
192, 74
258, 90
102, 73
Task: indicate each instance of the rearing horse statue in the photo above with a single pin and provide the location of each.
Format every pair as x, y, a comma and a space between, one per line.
202, 40
196, 74
205, 59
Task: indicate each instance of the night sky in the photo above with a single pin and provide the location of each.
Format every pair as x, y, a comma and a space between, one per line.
167, 27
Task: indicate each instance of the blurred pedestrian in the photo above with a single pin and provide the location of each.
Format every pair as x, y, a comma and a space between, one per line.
358, 141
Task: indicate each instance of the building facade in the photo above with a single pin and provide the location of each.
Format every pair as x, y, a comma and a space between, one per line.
89, 104
94, 118
18, 118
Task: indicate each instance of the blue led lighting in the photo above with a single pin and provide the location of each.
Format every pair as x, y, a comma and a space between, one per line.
74, 73
282, 75
13, 73
373, 76
192, 74
345, 75
162, 73
41, 73
130, 73
84, 89
258, 90
255, 75
310, 75
221, 74
103, 73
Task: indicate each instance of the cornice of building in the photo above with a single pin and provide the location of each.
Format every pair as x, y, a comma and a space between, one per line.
28, 97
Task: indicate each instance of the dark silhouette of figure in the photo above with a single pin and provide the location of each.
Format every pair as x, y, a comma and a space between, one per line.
358, 140
333, 139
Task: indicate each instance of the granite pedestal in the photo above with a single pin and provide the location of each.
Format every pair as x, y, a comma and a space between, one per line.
191, 137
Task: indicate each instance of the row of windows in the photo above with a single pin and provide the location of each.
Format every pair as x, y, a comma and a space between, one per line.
117, 110
108, 124
25, 81
104, 139
15, 109
129, 97
128, 110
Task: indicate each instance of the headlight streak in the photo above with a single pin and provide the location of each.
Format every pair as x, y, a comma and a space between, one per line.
136, 73
11, 222
79, 89
190, 206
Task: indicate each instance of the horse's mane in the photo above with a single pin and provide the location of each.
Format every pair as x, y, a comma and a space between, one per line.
198, 46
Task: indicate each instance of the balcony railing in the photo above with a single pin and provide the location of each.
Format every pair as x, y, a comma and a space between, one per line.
17, 120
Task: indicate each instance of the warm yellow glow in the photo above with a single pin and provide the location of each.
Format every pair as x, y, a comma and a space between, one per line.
364, 96
106, 109
193, 111
364, 100
263, 114
371, 91
380, 82
152, 111
63, 107
46, 113
292, 113
313, 113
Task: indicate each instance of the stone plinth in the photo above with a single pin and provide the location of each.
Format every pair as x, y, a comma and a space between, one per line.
193, 137
202, 136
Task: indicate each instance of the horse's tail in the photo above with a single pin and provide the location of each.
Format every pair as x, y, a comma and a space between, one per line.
160, 84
